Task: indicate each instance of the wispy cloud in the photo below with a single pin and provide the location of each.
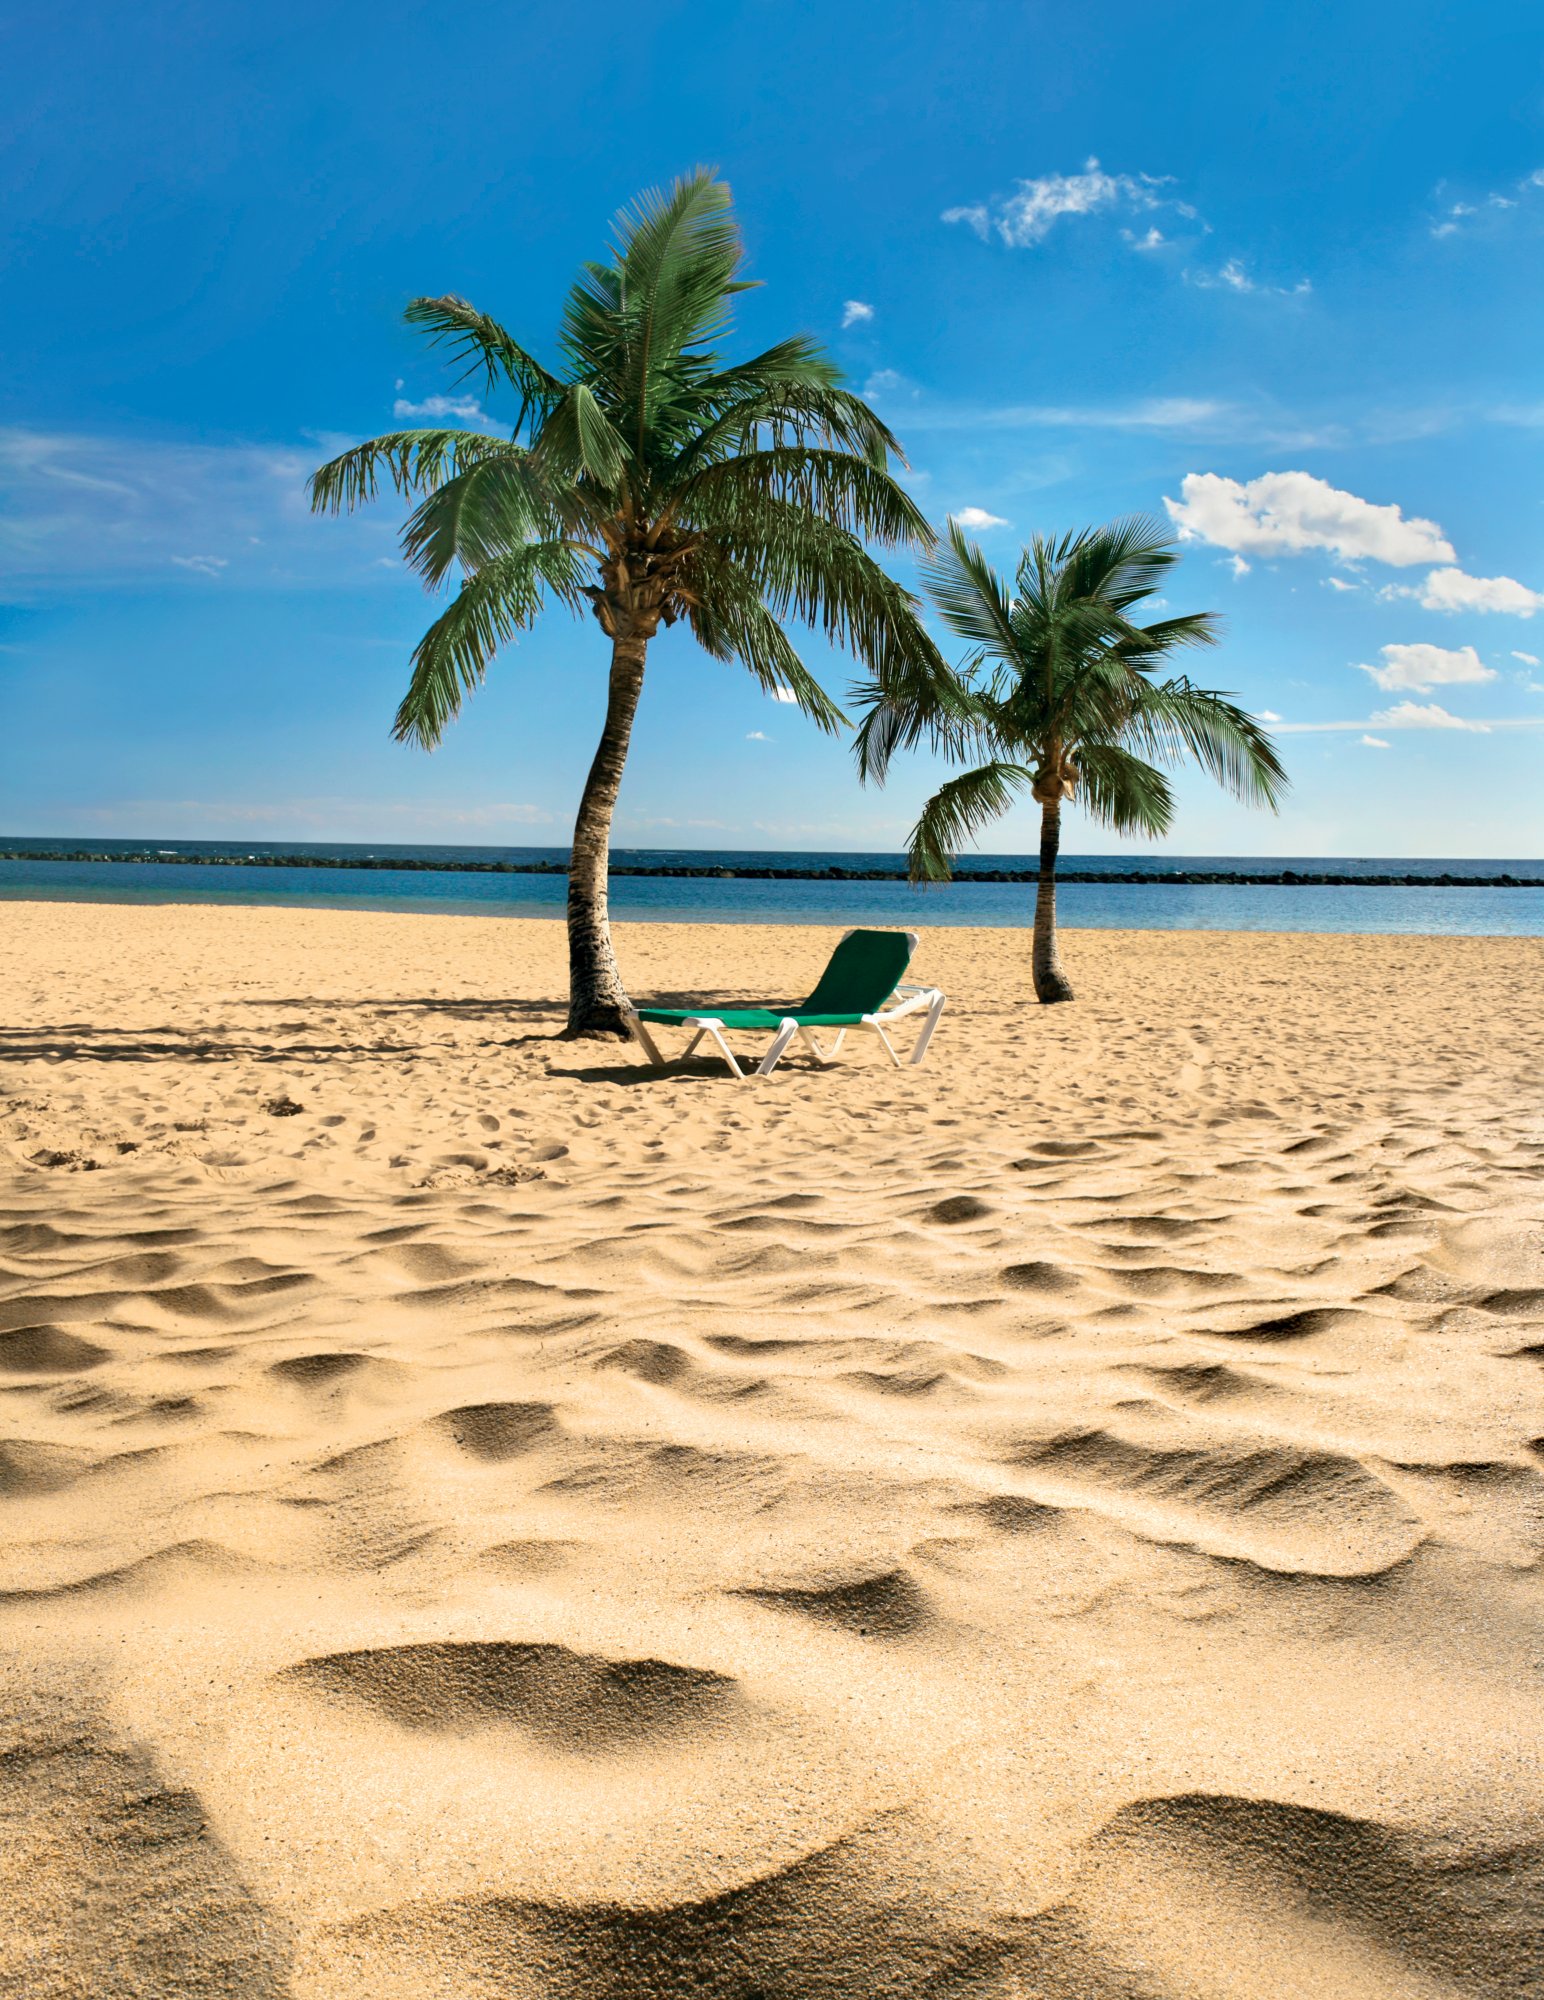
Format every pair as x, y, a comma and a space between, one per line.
1377, 743
1528, 659
1028, 215
1418, 668
1025, 218
757, 736
1187, 414
1412, 715
856, 312
465, 409
1425, 715
1285, 513
296, 818
93, 511
1233, 277
1454, 217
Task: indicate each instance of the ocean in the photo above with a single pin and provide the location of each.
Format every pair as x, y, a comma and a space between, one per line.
235, 872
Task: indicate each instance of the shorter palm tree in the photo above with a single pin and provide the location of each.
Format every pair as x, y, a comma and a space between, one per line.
1059, 695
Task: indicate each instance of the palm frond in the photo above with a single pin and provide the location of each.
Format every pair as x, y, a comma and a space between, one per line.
480, 346
957, 812
677, 254
846, 491
806, 568
970, 596
783, 411
478, 515
410, 461
1147, 646
1174, 720
731, 623
934, 708
1121, 791
492, 605
577, 439
1119, 563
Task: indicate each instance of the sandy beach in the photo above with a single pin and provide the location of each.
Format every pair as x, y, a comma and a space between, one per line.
484, 1518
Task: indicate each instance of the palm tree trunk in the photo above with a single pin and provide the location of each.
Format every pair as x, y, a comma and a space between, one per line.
1051, 983
596, 995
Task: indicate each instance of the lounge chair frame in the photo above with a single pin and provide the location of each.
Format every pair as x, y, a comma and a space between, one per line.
906, 999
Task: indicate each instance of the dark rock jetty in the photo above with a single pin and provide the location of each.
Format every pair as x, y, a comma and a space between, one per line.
1201, 878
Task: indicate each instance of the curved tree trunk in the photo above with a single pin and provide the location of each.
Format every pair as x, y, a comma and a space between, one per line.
596, 995
1051, 983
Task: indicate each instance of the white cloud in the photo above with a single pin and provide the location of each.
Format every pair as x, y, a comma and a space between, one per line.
1283, 513
1026, 218
1424, 715
1417, 668
979, 518
204, 565
1027, 215
1461, 215
856, 313
1375, 743
783, 694
1269, 715
1336, 583
1238, 566
1528, 659
1451, 590
467, 408
883, 382
1233, 277
976, 216
757, 736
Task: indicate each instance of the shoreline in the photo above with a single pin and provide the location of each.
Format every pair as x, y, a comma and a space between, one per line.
834, 920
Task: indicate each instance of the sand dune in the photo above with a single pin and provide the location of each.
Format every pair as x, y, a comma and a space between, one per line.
485, 1518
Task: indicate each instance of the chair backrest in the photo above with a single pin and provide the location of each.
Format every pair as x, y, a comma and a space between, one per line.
865, 970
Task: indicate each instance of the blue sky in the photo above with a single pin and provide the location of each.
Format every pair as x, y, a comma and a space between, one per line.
1277, 271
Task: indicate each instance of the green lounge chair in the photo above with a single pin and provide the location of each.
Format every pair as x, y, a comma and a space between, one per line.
860, 988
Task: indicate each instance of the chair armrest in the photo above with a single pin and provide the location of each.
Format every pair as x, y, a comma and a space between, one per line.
906, 1000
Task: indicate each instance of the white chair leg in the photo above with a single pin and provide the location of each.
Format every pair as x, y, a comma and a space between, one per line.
691, 1046
815, 1049
712, 1029
641, 1035
933, 1015
870, 1022
774, 1055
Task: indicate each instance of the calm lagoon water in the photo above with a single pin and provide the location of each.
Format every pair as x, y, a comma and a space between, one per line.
1124, 906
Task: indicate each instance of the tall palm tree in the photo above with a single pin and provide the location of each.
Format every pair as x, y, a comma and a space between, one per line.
1059, 694
647, 481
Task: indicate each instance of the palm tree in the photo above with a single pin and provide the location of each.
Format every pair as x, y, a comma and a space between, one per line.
1059, 693
647, 481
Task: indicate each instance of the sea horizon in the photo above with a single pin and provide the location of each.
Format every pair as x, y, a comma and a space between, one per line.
429, 879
